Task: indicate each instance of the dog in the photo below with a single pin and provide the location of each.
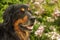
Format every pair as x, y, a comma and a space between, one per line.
17, 23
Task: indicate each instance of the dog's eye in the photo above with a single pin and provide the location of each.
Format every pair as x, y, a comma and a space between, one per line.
22, 9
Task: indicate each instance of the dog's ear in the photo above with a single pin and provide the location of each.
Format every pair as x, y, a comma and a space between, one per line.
7, 14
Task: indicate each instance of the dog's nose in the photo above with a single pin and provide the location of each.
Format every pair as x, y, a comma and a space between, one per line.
32, 18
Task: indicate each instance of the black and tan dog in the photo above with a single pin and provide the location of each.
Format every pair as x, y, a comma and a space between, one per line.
17, 24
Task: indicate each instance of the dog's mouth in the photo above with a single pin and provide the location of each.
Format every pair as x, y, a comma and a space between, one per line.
30, 27
26, 27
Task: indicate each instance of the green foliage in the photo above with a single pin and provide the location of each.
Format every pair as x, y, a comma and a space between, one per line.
4, 4
43, 37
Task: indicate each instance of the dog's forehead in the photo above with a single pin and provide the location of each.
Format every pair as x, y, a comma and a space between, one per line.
24, 6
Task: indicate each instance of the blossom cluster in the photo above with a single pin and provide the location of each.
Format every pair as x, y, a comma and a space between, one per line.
46, 11
39, 31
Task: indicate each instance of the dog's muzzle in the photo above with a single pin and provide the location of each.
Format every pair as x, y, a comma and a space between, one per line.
28, 25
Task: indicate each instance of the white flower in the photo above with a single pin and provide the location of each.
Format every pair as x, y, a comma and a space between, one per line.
39, 31
37, 3
40, 1
31, 0
58, 38
49, 19
52, 28
37, 12
56, 12
42, 10
53, 1
55, 36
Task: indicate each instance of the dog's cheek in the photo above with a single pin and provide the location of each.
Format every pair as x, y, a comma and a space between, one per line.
25, 19
21, 21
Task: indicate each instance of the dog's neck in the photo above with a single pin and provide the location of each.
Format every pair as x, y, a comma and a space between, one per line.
23, 35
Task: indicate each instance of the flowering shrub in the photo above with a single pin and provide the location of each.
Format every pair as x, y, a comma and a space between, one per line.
39, 31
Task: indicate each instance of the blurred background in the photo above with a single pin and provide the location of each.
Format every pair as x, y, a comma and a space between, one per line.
47, 12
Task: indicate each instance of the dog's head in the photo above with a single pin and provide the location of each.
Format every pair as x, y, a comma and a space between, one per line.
20, 16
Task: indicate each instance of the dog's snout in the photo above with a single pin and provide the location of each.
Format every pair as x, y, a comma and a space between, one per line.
32, 19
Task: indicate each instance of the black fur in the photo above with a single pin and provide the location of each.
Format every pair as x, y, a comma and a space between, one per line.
9, 16
6, 29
